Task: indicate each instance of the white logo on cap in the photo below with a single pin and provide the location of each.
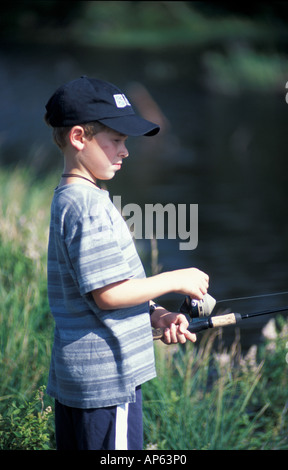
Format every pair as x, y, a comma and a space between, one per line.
121, 101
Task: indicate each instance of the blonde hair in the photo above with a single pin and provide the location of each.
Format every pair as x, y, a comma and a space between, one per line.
90, 129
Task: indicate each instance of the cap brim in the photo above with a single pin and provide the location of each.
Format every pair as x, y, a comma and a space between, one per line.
131, 125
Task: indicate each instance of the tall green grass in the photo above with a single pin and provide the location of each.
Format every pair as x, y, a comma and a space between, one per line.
209, 400
26, 324
203, 398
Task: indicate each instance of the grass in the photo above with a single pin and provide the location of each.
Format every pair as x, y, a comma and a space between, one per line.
203, 398
26, 324
208, 400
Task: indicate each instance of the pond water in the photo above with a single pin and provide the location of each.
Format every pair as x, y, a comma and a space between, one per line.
225, 153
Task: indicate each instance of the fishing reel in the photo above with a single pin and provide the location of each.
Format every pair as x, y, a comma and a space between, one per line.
198, 308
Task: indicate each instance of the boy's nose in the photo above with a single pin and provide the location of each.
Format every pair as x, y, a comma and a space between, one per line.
124, 153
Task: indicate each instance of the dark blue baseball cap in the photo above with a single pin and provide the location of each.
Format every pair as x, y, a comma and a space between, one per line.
89, 99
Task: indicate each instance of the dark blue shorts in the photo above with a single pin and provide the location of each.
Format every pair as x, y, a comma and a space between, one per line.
112, 428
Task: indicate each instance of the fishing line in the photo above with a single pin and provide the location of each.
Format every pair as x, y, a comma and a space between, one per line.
251, 297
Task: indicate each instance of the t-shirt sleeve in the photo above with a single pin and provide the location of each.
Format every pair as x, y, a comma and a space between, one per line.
98, 249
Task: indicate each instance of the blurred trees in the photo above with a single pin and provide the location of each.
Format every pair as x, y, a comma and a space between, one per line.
94, 21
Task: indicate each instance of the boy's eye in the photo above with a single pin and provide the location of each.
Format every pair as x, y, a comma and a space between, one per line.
119, 138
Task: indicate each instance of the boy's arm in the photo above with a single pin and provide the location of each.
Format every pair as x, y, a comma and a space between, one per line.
131, 292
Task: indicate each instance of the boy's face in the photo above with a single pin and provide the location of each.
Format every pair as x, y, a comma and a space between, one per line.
103, 155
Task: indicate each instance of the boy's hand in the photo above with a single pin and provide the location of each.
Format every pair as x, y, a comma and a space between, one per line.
192, 282
175, 325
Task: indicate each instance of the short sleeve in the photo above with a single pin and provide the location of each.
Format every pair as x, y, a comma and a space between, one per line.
100, 248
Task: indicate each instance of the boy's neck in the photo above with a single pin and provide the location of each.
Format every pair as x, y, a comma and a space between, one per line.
72, 174
69, 177
72, 171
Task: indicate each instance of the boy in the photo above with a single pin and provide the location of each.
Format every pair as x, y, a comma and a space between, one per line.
98, 292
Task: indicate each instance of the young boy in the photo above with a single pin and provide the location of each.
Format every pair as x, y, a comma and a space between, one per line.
98, 292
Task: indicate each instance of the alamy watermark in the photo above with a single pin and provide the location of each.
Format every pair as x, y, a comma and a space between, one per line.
286, 96
157, 221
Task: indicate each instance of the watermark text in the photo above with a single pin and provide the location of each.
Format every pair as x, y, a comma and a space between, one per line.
158, 221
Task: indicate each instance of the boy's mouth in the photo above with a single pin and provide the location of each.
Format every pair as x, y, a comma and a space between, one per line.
117, 165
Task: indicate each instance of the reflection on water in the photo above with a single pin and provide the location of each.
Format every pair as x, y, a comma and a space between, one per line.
227, 154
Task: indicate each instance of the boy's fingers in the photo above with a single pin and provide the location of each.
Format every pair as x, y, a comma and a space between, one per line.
174, 335
191, 337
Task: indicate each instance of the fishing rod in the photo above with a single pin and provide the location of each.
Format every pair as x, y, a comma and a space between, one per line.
200, 312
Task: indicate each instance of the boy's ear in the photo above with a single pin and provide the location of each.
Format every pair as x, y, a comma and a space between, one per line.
76, 137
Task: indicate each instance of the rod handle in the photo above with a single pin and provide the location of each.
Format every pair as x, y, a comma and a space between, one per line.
225, 320
204, 323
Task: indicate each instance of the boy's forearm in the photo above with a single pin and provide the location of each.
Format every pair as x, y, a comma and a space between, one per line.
133, 291
189, 281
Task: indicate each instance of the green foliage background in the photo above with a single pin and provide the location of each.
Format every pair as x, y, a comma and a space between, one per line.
204, 397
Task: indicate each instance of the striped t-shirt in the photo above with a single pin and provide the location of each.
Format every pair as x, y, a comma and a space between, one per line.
98, 356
